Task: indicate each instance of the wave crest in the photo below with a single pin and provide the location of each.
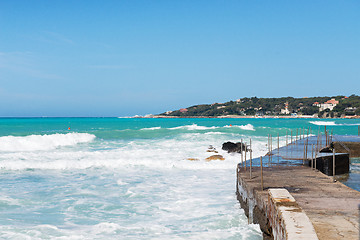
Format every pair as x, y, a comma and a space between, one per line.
247, 127
42, 142
151, 128
193, 127
323, 123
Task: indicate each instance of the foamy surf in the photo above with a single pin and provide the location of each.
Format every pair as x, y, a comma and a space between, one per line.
193, 127
332, 123
151, 128
127, 181
42, 142
247, 127
323, 123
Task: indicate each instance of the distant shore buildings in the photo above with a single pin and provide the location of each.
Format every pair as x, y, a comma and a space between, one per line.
322, 107
330, 104
286, 110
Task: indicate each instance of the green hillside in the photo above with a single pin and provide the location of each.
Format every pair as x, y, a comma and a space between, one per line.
346, 106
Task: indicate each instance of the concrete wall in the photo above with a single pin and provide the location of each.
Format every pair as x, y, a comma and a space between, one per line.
287, 219
354, 148
278, 214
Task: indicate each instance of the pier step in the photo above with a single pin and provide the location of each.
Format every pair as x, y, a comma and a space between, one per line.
286, 217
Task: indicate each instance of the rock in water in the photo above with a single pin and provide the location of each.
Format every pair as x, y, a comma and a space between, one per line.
215, 157
233, 147
193, 159
212, 150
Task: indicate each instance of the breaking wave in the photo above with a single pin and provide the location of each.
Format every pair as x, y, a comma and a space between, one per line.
331, 123
247, 127
42, 142
193, 127
151, 128
322, 123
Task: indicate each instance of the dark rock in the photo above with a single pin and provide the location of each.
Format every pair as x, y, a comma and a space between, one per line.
233, 147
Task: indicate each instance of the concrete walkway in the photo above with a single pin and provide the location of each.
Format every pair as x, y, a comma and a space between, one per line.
331, 207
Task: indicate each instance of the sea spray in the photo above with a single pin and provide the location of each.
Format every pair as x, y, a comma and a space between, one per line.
42, 142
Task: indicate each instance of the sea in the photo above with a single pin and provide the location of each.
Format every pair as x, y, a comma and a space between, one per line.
131, 178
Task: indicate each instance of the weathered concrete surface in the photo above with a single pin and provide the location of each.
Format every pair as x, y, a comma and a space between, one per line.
331, 207
354, 148
286, 217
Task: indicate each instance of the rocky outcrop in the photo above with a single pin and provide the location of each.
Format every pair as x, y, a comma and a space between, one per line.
234, 147
215, 157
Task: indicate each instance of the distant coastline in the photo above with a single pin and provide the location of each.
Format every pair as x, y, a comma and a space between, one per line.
236, 116
285, 107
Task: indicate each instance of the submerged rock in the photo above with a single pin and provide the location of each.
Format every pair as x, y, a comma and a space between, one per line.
193, 159
233, 147
215, 157
212, 150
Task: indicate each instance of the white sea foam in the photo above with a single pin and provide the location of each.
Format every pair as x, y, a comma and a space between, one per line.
120, 182
323, 123
144, 189
247, 127
42, 142
155, 154
193, 127
214, 133
332, 123
151, 128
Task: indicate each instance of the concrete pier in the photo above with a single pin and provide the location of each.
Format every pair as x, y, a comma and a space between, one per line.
331, 206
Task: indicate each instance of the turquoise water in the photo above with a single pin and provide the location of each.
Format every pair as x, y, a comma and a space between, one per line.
126, 178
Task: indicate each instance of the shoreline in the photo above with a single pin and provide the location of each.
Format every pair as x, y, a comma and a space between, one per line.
237, 116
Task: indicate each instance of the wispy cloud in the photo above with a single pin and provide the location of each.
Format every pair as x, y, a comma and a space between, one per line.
24, 63
111, 66
50, 37
54, 36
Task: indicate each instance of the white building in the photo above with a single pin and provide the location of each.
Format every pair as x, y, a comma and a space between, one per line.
330, 104
286, 110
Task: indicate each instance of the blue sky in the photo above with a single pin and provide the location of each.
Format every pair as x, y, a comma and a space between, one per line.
121, 58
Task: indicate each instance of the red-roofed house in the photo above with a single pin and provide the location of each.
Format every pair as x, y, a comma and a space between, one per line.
330, 104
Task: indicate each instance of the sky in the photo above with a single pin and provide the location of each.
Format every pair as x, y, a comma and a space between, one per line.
123, 58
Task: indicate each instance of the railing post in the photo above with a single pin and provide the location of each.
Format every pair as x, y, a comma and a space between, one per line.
306, 149
317, 142
278, 148
334, 165
245, 155
308, 132
325, 136
304, 155
261, 172
271, 148
312, 157
242, 160
250, 160
297, 132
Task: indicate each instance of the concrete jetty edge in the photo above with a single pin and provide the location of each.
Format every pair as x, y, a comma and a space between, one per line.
331, 207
